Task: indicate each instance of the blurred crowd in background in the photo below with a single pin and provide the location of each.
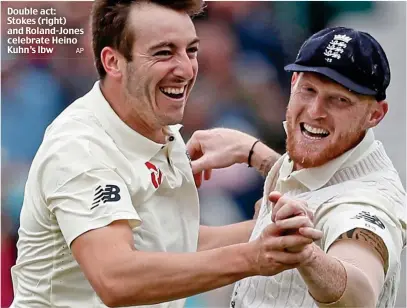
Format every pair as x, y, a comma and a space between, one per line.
241, 85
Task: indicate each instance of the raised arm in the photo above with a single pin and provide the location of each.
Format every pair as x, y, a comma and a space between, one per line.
220, 148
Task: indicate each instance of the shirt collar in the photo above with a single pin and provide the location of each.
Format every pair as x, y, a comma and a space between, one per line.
315, 178
125, 137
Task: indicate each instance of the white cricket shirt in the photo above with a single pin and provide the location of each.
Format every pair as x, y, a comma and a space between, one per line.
91, 170
359, 189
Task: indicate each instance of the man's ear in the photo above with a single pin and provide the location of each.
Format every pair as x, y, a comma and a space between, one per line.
294, 78
111, 61
378, 111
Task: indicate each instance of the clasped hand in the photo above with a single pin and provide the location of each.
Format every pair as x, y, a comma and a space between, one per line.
287, 242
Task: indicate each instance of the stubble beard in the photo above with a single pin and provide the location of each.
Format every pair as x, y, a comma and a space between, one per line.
140, 98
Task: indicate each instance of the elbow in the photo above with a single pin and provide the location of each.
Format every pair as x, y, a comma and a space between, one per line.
109, 299
109, 302
370, 297
358, 280
108, 292
352, 296
113, 292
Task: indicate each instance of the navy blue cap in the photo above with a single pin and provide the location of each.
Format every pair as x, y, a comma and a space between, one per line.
352, 58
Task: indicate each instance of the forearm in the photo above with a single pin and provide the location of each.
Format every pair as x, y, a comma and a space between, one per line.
324, 276
215, 237
335, 283
144, 278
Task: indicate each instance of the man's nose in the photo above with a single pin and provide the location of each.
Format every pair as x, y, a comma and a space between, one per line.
184, 67
316, 108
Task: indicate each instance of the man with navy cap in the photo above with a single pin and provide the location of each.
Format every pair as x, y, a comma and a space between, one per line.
334, 165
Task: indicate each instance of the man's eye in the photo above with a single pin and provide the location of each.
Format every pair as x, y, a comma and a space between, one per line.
307, 90
193, 49
163, 53
343, 100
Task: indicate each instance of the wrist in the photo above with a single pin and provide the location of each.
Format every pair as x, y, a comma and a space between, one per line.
250, 255
312, 261
249, 159
243, 149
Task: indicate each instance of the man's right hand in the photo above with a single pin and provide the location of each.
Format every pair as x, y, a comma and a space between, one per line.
270, 251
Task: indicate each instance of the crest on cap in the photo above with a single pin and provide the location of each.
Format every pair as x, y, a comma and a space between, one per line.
336, 47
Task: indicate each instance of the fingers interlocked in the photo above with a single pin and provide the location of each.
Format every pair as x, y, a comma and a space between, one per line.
288, 241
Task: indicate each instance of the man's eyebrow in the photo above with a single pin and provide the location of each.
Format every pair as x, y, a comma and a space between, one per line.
161, 45
303, 82
349, 95
170, 44
194, 41
352, 96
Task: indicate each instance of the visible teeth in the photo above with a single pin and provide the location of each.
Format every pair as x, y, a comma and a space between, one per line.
315, 130
314, 138
173, 90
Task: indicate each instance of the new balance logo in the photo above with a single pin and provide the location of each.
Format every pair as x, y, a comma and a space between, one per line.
110, 193
370, 218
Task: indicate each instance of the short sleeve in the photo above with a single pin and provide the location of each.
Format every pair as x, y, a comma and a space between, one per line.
346, 217
83, 184
91, 200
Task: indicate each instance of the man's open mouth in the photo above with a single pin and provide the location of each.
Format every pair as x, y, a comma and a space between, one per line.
174, 93
313, 132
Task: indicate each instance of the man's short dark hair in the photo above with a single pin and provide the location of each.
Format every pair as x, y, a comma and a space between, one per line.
110, 26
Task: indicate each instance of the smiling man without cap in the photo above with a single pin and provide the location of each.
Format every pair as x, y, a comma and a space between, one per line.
335, 165
111, 212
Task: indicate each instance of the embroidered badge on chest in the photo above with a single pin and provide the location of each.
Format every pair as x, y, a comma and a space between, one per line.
156, 174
